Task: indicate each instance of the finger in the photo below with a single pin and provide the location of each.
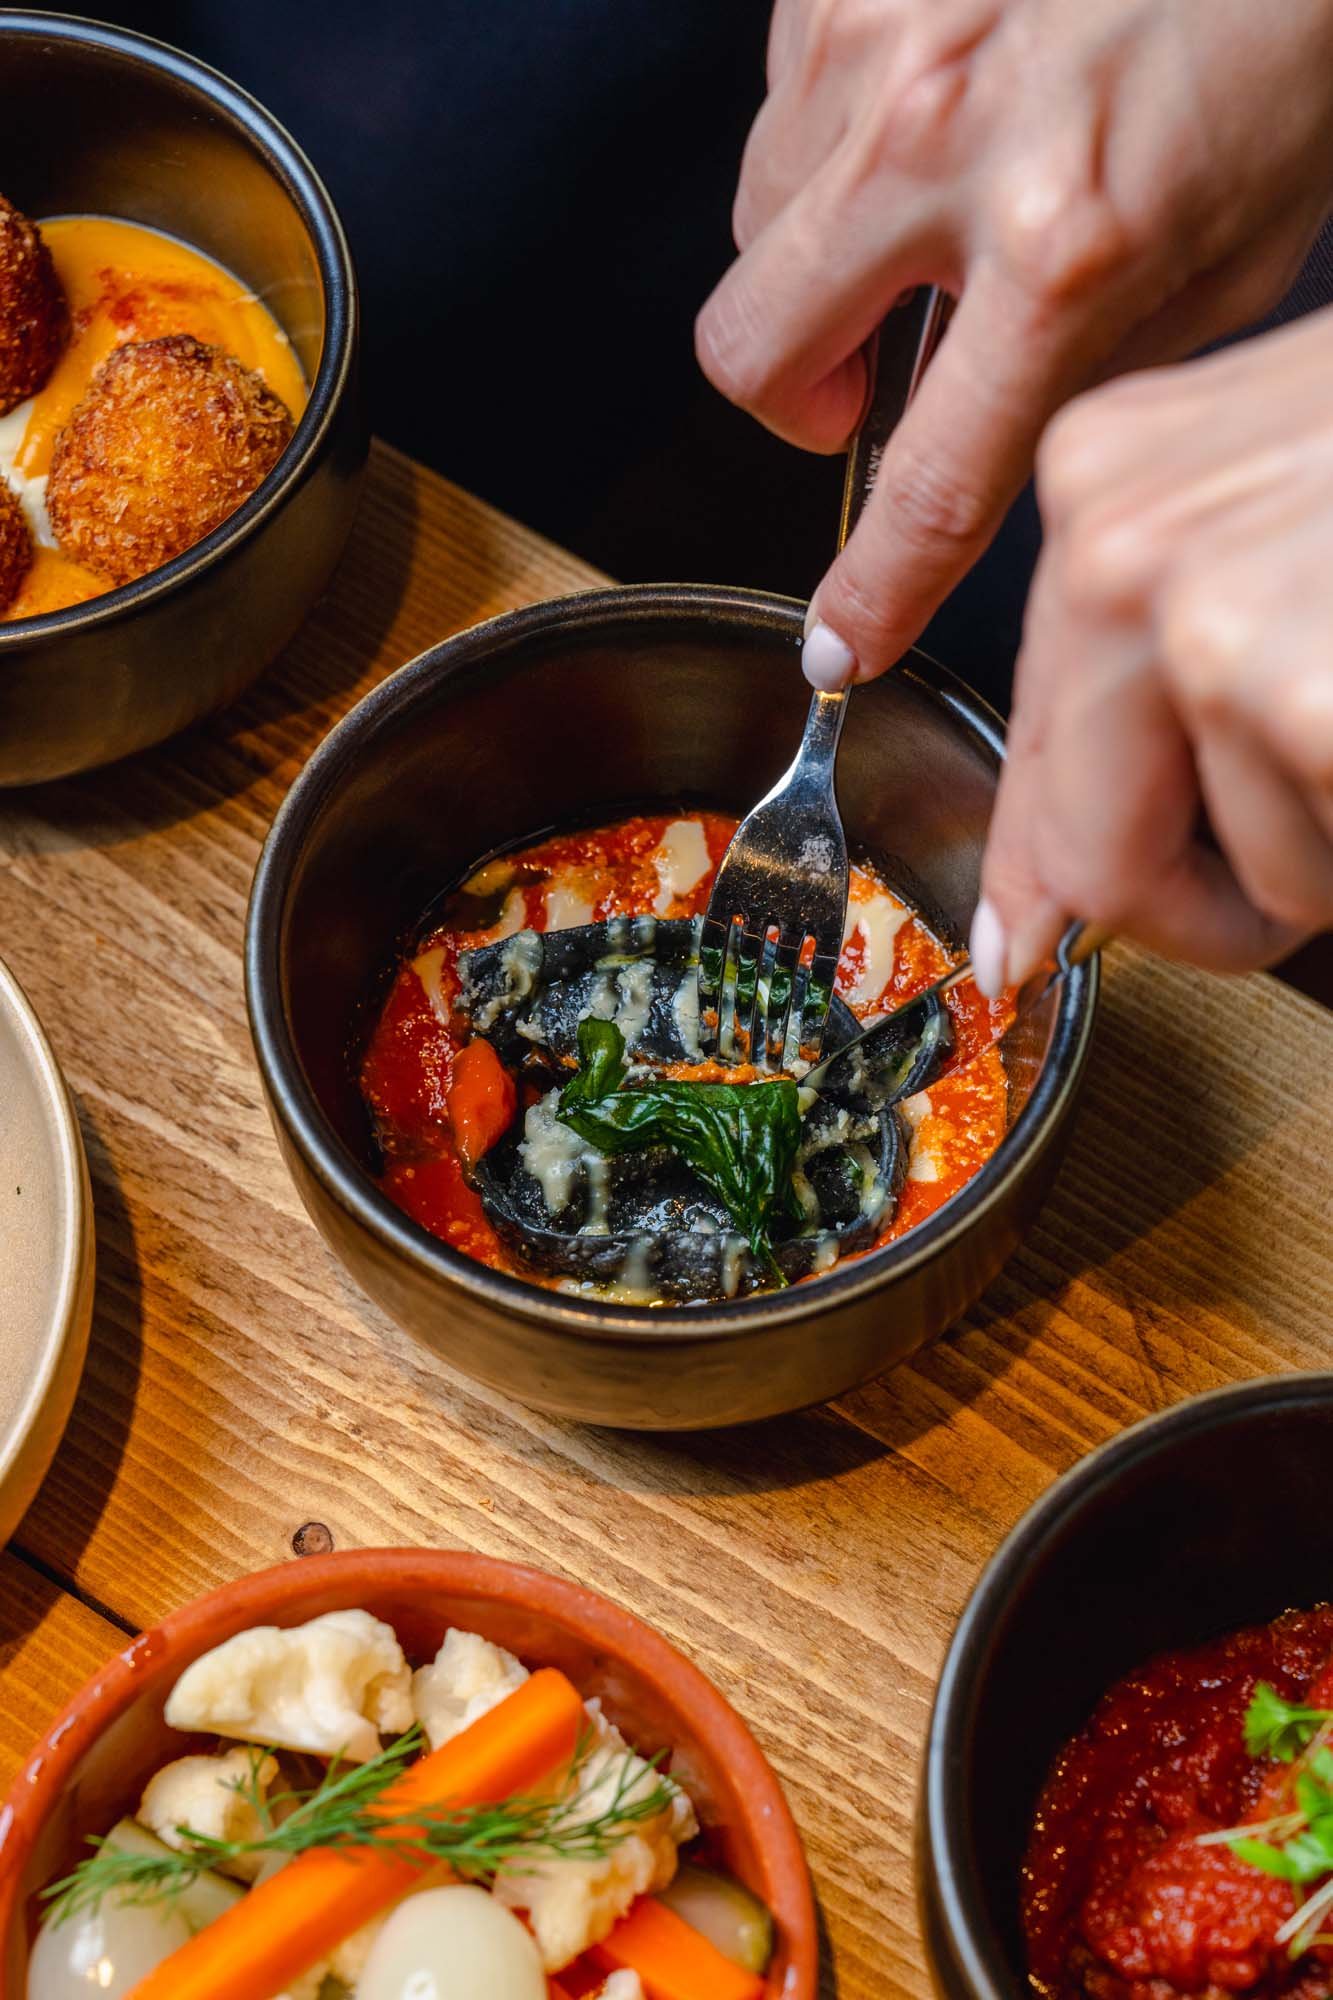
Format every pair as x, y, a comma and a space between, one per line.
1236, 293
1244, 643
1111, 802
790, 140
1121, 801
781, 334
798, 128
1169, 446
1195, 911
950, 471
1279, 854
1019, 919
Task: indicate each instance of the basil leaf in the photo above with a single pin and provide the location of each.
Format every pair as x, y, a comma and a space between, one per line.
741, 1139
601, 1064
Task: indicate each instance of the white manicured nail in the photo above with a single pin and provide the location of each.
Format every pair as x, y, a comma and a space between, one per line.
827, 661
988, 949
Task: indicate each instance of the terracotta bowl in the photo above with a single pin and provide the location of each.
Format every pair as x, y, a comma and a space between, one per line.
92, 1766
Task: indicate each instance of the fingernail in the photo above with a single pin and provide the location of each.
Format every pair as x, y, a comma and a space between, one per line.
827, 661
988, 950
811, 618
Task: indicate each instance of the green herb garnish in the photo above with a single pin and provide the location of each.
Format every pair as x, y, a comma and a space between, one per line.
346, 1810
1296, 1846
741, 1139
1278, 1728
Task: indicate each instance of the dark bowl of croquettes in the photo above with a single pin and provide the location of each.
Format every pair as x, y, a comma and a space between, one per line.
181, 442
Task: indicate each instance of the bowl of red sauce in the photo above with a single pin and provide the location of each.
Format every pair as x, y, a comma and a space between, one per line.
1129, 1781
495, 861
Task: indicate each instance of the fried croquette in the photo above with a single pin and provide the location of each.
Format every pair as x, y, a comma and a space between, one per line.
15, 547
34, 319
171, 437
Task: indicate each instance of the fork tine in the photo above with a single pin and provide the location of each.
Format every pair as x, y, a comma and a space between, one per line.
800, 987
726, 993
815, 1004
713, 941
777, 1014
763, 993
748, 946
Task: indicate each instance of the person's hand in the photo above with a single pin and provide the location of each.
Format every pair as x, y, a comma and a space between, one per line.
1177, 663
1102, 184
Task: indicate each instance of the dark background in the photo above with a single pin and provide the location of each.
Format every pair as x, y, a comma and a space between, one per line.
538, 195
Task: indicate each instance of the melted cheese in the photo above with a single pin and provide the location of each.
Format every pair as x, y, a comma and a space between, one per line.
682, 860
879, 918
514, 915
685, 1008
428, 967
733, 1263
552, 1154
634, 985
521, 961
924, 1163
566, 909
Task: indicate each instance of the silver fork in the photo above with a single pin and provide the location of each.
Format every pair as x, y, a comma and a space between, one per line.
772, 934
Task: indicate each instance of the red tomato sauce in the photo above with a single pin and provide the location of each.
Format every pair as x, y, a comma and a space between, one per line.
1120, 1901
408, 1066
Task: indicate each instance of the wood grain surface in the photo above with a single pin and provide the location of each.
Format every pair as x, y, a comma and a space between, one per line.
238, 1386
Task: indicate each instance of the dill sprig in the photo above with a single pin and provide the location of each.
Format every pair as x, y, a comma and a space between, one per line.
346, 1809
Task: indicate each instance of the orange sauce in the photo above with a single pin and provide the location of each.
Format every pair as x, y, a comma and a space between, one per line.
125, 282
407, 1069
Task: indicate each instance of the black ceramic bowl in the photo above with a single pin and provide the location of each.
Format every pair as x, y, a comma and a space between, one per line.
1174, 1533
99, 121
569, 713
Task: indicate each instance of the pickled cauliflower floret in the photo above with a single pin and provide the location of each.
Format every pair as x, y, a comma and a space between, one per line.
570, 1904
329, 1687
306, 1986
467, 1677
345, 1966
201, 1795
349, 1958
573, 1904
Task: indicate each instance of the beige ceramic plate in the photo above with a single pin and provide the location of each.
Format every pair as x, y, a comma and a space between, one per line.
46, 1253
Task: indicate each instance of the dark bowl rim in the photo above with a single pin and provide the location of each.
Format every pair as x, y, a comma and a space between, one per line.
947, 1858
293, 169
350, 1187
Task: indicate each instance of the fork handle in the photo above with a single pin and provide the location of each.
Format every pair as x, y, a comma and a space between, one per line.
897, 356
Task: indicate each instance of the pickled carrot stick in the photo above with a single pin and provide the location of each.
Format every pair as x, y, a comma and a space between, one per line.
672, 1959
482, 1100
287, 1924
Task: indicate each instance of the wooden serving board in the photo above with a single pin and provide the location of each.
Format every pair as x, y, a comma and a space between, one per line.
239, 1388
